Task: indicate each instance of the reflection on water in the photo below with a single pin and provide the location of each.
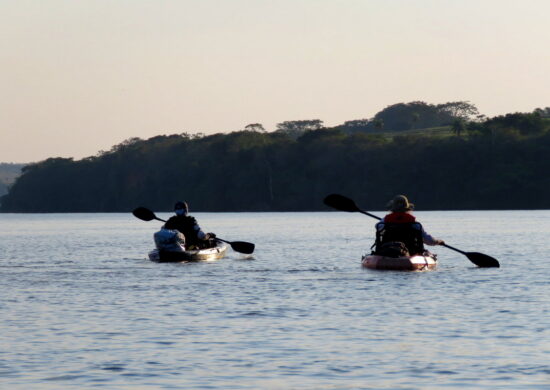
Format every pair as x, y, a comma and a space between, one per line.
82, 306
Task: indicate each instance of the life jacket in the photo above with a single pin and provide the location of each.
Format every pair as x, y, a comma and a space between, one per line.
185, 224
399, 218
406, 231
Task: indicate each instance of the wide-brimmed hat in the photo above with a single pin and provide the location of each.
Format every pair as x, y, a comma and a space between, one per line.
400, 204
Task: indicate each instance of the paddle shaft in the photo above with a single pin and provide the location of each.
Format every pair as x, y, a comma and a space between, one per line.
445, 245
369, 214
455, 249
378, 218
240, 246
219, 239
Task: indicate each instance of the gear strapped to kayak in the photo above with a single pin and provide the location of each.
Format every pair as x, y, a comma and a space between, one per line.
399, 247
403, 237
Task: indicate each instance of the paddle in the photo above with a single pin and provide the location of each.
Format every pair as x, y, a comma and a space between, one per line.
340, 202
239, 246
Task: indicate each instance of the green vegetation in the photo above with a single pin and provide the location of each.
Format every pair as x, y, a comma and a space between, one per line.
414, 115
8, 174
480, 163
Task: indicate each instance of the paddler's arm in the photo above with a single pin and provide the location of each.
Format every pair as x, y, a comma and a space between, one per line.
202, 235
429, 240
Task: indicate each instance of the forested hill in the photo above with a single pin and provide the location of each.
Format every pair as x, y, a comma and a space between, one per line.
498, 163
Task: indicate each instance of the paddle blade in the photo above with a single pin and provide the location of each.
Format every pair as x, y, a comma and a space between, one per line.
482, 260
340, 202
242, 247
144, 214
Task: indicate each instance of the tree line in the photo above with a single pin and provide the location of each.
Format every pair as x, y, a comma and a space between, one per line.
491, 163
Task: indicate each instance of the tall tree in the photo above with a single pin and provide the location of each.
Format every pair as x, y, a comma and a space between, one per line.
378, 123
297, 128
458, 126
257, 127
459, 110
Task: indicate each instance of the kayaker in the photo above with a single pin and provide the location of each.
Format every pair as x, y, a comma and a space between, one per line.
401, 226
194, 237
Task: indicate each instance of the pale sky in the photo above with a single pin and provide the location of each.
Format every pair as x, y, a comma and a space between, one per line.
79, 76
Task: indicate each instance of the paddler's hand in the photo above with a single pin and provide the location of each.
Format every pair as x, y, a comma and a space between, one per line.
440, 242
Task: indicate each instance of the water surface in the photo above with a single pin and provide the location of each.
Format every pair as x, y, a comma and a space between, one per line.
82, 307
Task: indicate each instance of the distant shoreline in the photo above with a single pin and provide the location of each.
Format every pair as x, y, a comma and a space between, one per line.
500, 163
265, 212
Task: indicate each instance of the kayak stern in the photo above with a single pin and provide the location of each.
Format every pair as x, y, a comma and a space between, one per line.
403, 263
208, 254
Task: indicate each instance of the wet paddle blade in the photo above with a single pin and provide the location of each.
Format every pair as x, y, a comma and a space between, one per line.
482, 260
144, 214
242, 247
340, 202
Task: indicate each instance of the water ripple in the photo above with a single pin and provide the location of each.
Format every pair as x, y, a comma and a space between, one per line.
293, 318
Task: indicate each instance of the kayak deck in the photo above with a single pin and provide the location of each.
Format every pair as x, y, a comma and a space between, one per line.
208, 254
404, 263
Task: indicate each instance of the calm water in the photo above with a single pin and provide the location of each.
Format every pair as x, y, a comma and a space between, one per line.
82, 307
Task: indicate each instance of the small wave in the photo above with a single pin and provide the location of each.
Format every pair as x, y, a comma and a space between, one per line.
244, 258
533, 370
254, 314
64, 378
164, 342
114, 367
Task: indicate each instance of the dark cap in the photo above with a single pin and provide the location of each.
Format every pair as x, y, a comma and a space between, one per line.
181, 205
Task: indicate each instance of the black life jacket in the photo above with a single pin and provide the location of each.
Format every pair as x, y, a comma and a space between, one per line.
185, 224
409, 234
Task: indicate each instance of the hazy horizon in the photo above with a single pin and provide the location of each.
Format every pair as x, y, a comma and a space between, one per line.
80, 77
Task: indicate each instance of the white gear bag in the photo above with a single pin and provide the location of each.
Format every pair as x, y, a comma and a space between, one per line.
169, 240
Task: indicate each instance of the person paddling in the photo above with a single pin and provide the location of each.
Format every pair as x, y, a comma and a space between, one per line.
400, 226
195, 238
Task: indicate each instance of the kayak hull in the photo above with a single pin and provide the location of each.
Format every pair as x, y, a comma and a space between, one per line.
208, 254
404, 263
